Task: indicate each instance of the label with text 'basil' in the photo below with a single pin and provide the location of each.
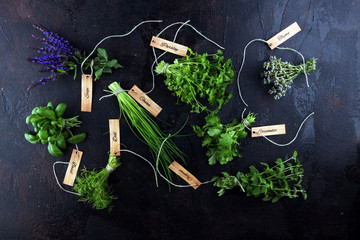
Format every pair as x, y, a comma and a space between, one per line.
168, 46
144, 100
283, 35
184, 174
268, 130
114, 133
73, 167
86, 92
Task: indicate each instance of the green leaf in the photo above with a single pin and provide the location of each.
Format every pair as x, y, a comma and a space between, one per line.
60, 109
214, 132
102, 53
31, 138
111, 63
77, 138
54, 150
98, 74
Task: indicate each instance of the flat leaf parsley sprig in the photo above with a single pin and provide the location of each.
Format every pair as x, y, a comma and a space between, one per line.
282, 180
199, 76
61, 58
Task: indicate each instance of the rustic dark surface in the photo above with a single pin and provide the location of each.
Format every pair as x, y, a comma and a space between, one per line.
33, 207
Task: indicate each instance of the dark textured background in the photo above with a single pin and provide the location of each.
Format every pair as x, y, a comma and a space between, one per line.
33, 207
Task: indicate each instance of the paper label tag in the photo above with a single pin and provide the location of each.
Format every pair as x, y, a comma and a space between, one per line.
268, 130
73, 167
184, 174
168, 46
114, 132
86, 92
144, 100
283, 35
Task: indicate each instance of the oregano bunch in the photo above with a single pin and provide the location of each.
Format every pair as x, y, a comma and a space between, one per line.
282, 180
221, 140
199, 76
93, 186
281, 74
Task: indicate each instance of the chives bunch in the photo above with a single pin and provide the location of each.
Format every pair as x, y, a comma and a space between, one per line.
139, 118
281, 74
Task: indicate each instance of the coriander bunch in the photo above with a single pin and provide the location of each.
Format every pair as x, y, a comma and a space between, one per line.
93, 186
199, 76
220, 139
281, 74
282, 180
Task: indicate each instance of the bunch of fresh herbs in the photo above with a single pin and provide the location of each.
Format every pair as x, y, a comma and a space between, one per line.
51, 128
197, 77
281, 74
282, 180
220, 139
61, 58
93, 186
139, 118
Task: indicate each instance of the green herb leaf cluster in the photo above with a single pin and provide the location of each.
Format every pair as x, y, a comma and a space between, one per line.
101, 63
51, 128
93, 186
281, 74
197, 76
282, 180
220, 139
139, 118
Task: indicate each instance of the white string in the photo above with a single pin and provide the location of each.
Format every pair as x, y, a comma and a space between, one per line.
243, 61
119, 90
271, 141
138, 155
57, 180
175, 185
109, 168
175, 36
237, 181
115, 36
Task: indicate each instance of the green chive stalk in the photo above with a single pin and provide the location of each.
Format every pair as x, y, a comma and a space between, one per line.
139, 118
93, 186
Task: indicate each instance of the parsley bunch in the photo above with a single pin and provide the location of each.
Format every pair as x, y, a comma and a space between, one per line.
282, 180
222, 140
196, 77
281, 74
93, 186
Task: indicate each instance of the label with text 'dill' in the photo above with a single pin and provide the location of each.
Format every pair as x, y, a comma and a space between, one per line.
168, 46
114, 133
268, 130
73, 167
86, 92
144, 100
283, 35
184, 174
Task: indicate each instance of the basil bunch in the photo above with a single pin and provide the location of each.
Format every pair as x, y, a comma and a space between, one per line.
52, 129
281, 180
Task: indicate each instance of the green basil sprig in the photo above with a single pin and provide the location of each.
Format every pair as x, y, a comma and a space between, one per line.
51, 128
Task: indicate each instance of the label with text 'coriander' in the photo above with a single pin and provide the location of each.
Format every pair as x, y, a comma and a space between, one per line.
283, 35
114, 133
73, 167
268, 130
168, 46
144, 100
86, 92
184, 174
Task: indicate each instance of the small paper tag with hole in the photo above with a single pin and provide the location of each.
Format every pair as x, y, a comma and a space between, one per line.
86, 92
268, 130
168, 46
283, 35
144, 100
114, 132
73, 167
184, 174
